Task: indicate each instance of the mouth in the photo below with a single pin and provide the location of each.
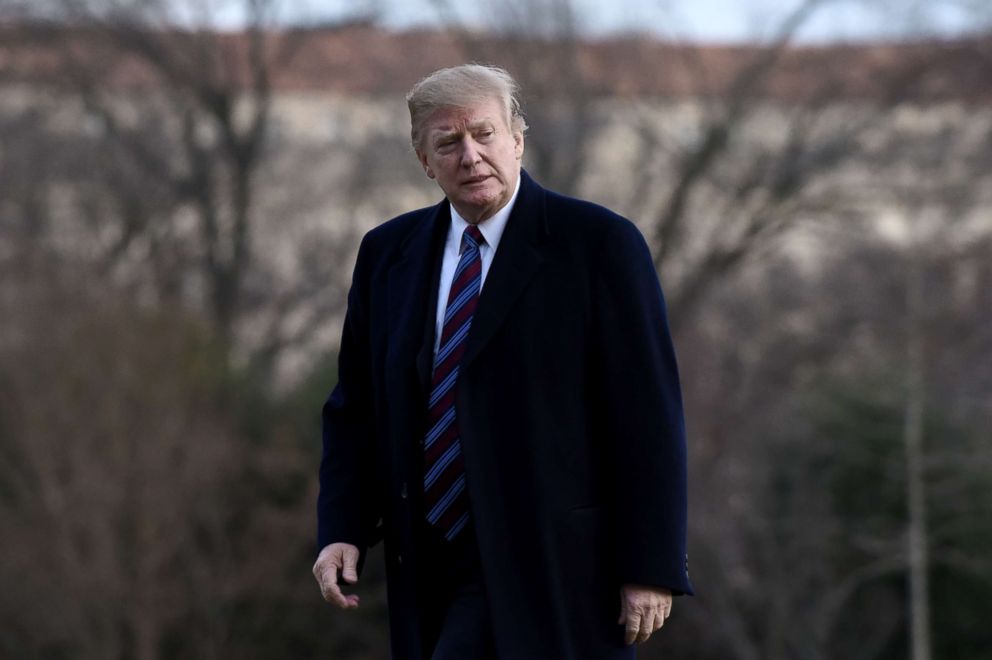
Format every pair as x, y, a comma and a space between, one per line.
475, 179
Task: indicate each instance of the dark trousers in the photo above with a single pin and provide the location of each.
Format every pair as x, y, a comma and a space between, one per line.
454, 620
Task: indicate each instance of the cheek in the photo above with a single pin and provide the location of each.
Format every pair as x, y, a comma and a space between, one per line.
443, 168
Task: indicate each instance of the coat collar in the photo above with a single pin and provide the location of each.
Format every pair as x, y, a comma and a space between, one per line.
517, 259
413, 290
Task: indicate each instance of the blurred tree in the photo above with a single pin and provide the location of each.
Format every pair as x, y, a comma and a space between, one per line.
153, 503
114, 378
163, 177
799, 505
716, 181
115, 468
156, 499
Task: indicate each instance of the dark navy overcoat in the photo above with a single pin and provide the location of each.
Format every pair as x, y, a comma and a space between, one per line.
570, 418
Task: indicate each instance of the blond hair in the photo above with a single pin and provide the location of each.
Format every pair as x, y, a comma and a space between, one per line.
463, 86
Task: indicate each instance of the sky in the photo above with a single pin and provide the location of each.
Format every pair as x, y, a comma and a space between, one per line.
697, 20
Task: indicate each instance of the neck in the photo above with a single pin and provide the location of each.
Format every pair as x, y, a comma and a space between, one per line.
475, 216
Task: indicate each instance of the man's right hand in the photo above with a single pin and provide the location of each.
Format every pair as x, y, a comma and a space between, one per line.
335, 557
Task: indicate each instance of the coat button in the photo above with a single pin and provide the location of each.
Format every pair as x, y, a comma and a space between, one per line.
403, 491
399, 559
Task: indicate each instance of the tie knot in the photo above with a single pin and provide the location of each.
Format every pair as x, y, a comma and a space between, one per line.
473, 236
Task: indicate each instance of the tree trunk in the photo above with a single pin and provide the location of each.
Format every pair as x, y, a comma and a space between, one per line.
919, 586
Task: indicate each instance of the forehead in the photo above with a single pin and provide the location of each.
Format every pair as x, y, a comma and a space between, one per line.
452, 118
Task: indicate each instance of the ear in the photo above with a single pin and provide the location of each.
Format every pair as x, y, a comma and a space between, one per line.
518, 144
422, 157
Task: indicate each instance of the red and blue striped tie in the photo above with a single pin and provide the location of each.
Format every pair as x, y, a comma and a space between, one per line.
444, 467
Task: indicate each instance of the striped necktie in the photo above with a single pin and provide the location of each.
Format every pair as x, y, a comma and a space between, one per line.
444, 468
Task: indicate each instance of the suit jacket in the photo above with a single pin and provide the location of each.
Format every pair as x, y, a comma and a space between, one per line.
570, 418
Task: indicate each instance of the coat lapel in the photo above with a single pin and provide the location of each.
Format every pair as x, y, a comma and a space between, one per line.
412, 292
517, 259
413, 284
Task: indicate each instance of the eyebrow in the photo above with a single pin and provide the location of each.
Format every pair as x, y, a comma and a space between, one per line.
446, 131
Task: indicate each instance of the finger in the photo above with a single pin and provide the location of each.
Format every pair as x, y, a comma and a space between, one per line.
647, 627
633, 628
329, 588
659, 620
333, 594
350, 571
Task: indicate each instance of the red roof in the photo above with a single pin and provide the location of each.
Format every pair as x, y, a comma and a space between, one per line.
365, 59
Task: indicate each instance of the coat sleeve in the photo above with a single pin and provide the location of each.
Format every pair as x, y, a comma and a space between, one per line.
640, 414
347, 503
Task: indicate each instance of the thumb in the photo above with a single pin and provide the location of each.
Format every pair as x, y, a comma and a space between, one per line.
350, 570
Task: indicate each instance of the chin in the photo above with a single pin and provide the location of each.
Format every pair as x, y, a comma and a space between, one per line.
481, 201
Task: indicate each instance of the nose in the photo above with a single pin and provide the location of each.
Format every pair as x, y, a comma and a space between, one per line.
470, 152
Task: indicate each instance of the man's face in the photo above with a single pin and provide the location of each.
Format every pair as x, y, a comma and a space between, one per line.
474, 156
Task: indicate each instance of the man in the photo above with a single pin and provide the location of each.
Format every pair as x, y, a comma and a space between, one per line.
508, 414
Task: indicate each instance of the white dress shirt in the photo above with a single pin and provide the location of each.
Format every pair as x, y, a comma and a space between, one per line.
492, 229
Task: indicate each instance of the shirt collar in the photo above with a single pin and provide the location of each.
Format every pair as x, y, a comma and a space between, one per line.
491, 228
